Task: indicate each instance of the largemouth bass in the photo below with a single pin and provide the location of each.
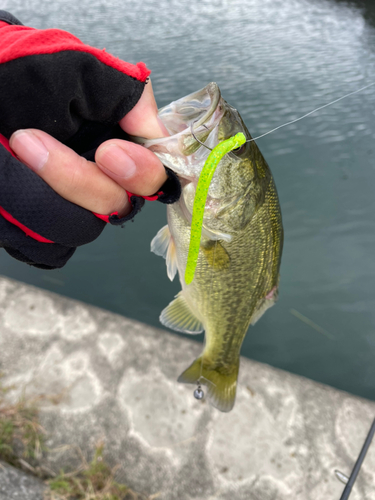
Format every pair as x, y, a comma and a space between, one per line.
237, 274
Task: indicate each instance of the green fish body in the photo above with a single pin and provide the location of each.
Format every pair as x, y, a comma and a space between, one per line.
237, 273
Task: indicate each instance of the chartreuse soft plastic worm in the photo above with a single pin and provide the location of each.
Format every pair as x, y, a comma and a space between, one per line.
201, 192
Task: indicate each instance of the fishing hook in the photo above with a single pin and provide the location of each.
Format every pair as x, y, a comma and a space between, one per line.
196, 138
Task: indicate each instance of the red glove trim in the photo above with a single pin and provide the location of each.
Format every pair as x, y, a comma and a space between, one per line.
154, 197
25, 229
4, 141
149, 198
21, 41
105, 217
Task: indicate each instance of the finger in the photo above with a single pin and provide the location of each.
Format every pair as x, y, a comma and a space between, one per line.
143, 120
70, 175
132, 166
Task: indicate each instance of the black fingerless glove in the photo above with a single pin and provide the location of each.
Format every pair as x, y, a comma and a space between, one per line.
50, 80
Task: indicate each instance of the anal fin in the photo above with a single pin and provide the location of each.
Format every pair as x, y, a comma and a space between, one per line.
178, 316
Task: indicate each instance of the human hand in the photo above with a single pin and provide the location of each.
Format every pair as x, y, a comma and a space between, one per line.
119, 166
78, 95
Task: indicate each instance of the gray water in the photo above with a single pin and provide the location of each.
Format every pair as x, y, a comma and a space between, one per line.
274, 61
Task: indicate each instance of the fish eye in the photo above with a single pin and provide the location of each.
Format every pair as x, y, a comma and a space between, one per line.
240, 150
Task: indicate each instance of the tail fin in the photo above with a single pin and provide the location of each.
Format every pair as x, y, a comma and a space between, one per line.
221, 382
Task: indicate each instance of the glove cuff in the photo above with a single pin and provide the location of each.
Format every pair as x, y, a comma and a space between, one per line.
9, 19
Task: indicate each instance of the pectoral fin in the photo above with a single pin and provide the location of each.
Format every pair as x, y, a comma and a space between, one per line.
163, 245
216, 255
178, 316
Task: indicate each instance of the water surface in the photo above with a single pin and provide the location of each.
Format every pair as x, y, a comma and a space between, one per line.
274, 61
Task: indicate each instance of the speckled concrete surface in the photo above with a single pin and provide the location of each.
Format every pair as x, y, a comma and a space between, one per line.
283, 440
17, 485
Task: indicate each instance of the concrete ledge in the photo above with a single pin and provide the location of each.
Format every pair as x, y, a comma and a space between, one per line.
17, 485
283, 440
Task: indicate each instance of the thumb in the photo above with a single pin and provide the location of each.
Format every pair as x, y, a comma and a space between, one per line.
143, 120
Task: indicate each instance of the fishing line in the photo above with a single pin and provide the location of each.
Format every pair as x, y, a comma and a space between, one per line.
296, 119
311, 112
199, 202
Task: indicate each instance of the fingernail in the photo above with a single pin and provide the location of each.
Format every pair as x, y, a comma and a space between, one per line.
116, 161
30, 149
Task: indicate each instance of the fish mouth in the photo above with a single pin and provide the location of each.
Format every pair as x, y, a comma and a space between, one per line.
194, 109
190, 121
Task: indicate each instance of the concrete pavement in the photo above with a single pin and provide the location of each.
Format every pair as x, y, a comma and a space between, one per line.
283, 439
